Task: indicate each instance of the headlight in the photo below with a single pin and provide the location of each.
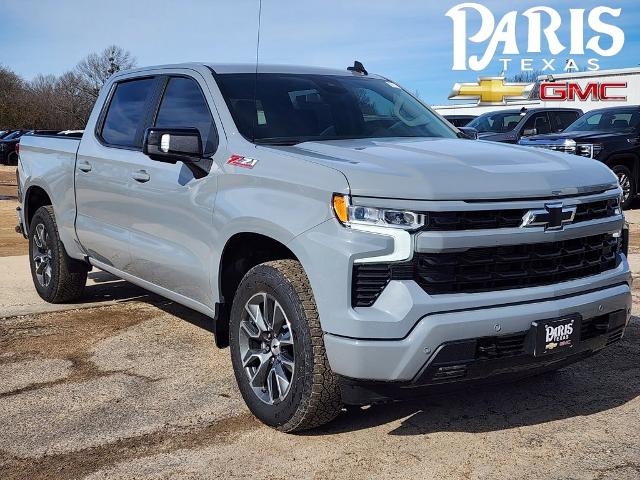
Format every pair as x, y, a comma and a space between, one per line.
590, 150
349, 215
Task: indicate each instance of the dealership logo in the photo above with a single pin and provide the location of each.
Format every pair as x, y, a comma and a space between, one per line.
491, 91
573, 91
556, 335
543, 24
552, 217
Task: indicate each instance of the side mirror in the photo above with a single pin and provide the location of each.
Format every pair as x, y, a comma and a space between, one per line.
468, 132
529, 132
173, 144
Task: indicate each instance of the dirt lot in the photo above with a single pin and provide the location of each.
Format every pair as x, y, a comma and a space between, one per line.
137, 390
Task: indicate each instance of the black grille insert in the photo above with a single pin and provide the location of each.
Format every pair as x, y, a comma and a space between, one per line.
515, 266
489, 269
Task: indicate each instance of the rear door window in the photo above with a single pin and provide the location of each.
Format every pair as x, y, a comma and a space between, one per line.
126, 113
184, 106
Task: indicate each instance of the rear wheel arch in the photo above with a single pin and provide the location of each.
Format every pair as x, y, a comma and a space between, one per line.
34, 198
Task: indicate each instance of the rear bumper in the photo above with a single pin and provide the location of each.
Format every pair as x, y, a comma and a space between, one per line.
407, 359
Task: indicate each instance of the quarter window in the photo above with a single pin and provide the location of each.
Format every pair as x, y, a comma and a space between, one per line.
126, 112
184, 106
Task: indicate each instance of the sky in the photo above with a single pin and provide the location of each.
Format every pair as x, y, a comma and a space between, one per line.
409, 41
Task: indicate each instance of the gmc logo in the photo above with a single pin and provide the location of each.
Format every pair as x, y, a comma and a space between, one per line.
560, 92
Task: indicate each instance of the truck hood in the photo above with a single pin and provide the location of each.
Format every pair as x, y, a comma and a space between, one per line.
454, 169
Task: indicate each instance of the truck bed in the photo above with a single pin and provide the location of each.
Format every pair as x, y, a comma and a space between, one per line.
48, 162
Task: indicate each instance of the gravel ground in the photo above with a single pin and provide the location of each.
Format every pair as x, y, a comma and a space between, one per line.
137, 389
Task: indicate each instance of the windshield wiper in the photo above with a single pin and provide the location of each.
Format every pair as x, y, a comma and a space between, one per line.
278, 141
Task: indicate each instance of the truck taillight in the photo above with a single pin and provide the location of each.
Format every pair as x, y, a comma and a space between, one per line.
18, 148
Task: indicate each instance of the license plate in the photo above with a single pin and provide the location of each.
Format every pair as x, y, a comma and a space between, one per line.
553, 336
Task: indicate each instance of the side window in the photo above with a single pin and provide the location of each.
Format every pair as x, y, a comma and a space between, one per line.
126, 112
540, 122
184, 106
564, 119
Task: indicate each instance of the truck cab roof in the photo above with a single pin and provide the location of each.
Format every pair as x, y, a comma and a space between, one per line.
226, 68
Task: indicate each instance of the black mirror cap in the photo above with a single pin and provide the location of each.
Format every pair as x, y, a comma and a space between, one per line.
173, 144
468, 132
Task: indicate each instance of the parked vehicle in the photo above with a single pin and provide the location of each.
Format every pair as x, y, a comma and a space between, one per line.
348, 244
9, 144
459, 120
8, 155
610, 135
4, 133
509, 126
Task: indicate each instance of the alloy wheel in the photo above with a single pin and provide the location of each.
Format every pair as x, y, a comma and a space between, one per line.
266, 348
41, 254
625, 183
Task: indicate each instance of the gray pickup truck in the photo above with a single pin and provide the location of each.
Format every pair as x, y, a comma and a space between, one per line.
349, 245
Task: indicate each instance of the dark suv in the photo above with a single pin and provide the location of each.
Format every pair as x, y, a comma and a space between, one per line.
509, 126
611, 135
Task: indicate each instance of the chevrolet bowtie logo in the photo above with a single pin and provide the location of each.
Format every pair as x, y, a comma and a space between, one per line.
491, 91
553, 217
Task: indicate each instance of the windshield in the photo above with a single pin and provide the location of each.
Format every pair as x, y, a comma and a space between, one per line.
294, 108
499, 122
608, 121
13, 135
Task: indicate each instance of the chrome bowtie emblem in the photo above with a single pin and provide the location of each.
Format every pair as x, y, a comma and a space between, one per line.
552, 217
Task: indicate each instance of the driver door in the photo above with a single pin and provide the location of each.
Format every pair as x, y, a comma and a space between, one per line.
171, 207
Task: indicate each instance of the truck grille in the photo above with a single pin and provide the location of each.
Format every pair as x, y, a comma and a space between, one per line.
489, 269
515, 266
511, 218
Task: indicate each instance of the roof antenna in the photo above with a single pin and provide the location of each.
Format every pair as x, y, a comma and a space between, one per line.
255, 83
358, 67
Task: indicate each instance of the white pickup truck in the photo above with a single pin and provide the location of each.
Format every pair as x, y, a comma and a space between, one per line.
349, 244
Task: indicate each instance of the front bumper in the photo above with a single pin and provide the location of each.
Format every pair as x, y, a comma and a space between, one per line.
406, 359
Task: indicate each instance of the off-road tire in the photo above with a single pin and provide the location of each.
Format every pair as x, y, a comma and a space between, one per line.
68, 276
314, 395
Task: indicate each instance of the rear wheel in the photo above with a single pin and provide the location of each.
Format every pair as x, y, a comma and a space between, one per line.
625, 178
277, 349
57, 277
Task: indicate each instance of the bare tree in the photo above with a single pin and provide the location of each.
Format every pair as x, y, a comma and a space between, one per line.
58, 103
95, 69
71, 100
528, 77
11, 95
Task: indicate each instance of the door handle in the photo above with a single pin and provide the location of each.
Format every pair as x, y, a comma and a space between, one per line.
84, 166
140, 176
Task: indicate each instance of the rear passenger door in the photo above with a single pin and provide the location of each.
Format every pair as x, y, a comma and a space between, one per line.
171, 205
103, 171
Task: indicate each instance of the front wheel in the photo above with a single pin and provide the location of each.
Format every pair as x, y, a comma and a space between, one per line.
627, 183
277, 349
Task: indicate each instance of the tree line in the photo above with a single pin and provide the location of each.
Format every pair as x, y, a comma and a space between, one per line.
50, 102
